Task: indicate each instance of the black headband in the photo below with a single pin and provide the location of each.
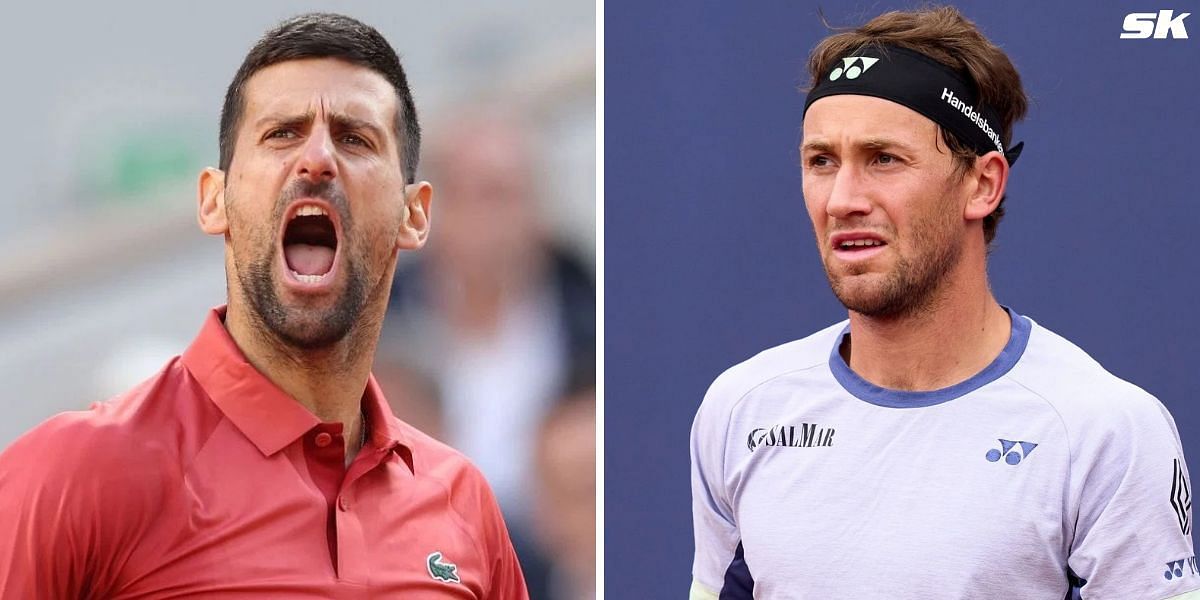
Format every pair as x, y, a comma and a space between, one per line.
942, 94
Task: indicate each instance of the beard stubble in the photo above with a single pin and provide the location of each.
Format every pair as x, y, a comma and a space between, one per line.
297, 326
911, 287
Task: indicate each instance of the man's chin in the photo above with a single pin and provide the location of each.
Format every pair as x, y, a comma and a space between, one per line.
857, 285
868, 294
305, 319
309, 321
308, 329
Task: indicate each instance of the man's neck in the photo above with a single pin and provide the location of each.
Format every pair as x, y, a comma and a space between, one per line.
956, 338
329, 382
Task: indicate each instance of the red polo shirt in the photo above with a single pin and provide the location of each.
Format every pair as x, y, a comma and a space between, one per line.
209, 481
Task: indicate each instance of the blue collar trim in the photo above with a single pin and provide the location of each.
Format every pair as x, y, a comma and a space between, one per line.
868, 392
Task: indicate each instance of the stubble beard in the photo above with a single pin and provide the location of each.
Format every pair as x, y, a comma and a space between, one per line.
911, 287
300, 327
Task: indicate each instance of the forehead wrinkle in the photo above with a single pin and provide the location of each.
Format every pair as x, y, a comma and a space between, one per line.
867, 118
313, 88
861, 138
355, 99
336, 119
869, 143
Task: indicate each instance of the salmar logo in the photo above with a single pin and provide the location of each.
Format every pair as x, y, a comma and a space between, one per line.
442, 571
804, 435
852, 67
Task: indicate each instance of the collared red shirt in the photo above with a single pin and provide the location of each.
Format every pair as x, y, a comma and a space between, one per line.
209, 481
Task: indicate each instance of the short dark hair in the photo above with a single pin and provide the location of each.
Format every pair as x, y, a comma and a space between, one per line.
325, 35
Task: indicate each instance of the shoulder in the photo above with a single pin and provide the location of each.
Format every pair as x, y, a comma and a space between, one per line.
118, 448
433, 459
1085, 395
77, 491
472, 505
469, 494
745, 377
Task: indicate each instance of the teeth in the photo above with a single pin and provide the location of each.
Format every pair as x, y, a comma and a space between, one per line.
308, 278
310, 210
854, 243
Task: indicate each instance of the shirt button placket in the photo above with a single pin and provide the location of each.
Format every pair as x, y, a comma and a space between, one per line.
353, 560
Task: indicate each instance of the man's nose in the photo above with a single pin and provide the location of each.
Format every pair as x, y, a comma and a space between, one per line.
848, 196
317, 163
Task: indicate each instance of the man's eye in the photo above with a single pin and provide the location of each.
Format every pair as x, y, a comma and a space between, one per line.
819, 161
281, 134
354, 139
886, 159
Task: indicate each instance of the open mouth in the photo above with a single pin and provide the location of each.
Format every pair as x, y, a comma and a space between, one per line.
310, 243
858, 244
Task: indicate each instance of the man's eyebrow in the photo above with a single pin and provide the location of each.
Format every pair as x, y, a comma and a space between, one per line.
883, 144
284, 119
816, 146
346, 122
341, 122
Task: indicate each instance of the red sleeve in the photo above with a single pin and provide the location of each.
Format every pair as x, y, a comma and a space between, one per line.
508, 583
72, 500
476, 504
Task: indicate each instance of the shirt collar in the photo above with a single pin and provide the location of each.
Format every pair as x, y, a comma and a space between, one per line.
265, 414
866, 391
386, 433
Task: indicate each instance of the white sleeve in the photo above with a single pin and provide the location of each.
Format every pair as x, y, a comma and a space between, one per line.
716, 532
1132, 528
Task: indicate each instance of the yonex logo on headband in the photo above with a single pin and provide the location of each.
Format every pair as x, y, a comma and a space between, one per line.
852, 67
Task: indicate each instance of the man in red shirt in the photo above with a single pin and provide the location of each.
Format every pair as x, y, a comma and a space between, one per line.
264, 462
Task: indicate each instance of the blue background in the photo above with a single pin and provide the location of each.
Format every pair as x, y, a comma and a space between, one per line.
709, 256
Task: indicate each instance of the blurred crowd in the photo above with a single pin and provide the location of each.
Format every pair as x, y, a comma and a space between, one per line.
490, 343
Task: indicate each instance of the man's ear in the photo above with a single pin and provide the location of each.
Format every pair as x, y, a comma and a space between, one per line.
211, 211
414, 226
989, 179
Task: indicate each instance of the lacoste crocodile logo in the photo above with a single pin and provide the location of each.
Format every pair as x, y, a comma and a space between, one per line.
442, 571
